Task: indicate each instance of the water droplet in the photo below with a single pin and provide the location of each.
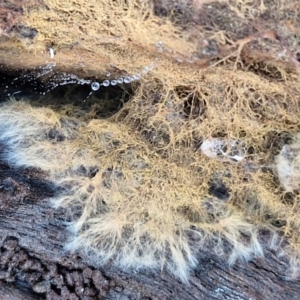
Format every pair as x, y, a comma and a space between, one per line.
88, 95
127, 79
113, 82
95, 86
108, 74
159, 44
120, 80
105, 83
136, 77
145, 70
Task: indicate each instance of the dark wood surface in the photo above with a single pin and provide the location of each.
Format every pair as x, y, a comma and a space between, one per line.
33, 264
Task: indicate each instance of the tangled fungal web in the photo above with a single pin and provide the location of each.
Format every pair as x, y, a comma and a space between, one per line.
44, 79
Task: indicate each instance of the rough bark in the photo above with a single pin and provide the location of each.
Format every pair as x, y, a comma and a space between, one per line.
33, 264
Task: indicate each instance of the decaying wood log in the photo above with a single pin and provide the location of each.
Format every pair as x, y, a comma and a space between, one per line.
33, 264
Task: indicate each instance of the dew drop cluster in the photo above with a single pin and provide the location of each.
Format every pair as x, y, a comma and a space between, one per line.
45, 78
